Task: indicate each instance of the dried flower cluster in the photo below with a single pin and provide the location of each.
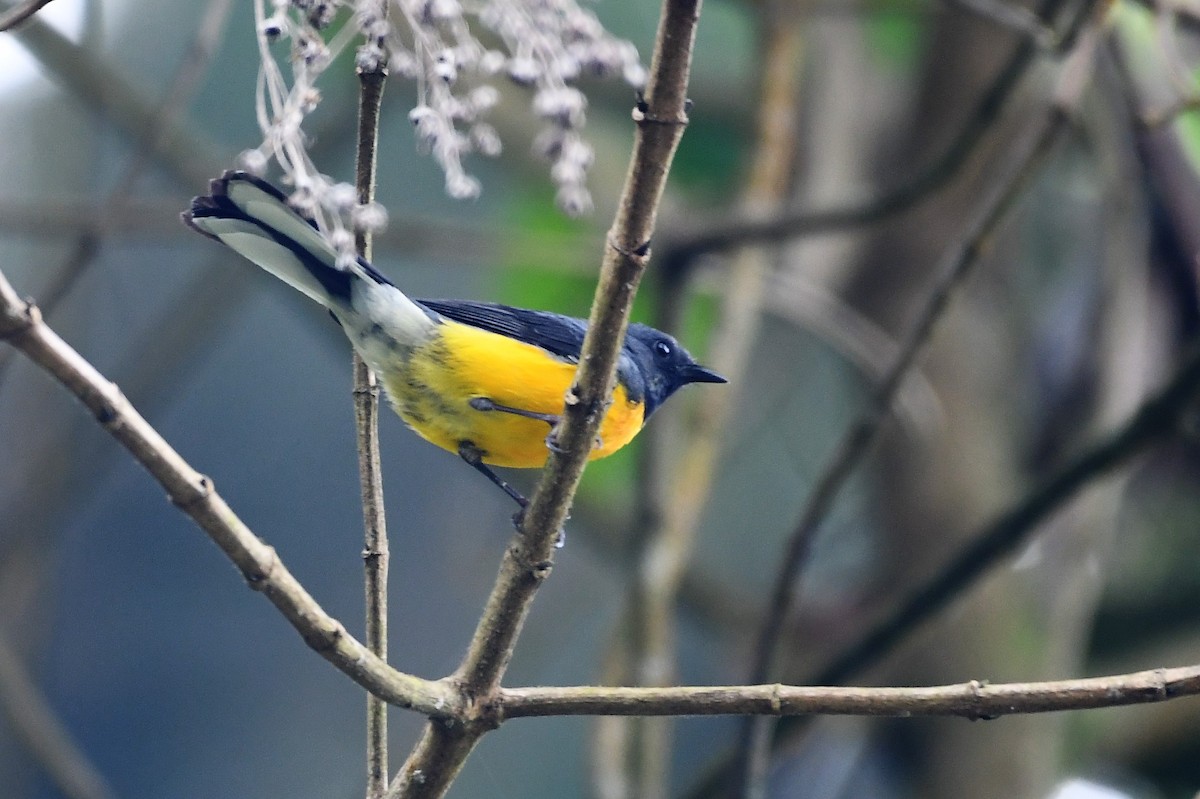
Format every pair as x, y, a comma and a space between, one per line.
541, 44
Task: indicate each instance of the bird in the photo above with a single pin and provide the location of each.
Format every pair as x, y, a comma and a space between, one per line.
482, 380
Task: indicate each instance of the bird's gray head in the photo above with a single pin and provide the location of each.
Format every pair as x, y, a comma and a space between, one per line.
663, 364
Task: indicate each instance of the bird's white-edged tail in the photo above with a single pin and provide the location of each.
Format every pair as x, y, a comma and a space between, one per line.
253, 218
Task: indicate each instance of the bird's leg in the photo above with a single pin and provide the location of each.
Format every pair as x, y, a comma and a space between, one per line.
552, 441
472, 455
486, 404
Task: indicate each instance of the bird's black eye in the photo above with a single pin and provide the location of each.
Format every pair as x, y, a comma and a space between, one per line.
662, 349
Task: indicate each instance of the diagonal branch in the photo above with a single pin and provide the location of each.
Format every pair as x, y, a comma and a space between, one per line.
22, 326
660, 119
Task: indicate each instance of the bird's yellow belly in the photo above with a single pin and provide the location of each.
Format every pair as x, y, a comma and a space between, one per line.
433, 389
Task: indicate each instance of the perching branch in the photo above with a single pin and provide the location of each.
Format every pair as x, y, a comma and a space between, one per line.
366, 424
660, 119
22, 326
973, 700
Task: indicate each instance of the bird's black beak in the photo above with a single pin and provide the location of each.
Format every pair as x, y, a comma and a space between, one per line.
696, 373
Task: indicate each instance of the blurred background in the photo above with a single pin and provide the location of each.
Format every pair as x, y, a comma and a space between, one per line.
903, 116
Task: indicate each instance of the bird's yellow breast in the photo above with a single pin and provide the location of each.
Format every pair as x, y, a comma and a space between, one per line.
433, 386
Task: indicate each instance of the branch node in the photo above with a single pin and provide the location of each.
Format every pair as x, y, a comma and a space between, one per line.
321, 640
643, 116
1161, 691
636, 252
487, 713
19, 319
259, 577
201, 489
776, 699
977, 713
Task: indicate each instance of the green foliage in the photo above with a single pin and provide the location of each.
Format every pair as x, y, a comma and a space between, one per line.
896, 38
539, 277
710, 158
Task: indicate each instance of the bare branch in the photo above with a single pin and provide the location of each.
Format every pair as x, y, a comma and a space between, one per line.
21, 324
972, 700
366, 425
660, 119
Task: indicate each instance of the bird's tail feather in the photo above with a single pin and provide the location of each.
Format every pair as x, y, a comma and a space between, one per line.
252, 217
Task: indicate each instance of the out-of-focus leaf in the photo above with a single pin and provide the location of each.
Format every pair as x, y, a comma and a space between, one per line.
538, 277
709, 159
895, 38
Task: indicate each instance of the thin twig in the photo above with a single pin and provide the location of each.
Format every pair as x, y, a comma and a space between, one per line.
22, 326
660, 119
366, 425
21, 12
731, 230
957, 265
38, 728
972, 700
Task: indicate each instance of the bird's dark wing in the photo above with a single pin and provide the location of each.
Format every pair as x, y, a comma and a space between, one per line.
555, 333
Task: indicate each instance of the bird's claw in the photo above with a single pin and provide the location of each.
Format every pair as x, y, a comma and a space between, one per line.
518, 520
